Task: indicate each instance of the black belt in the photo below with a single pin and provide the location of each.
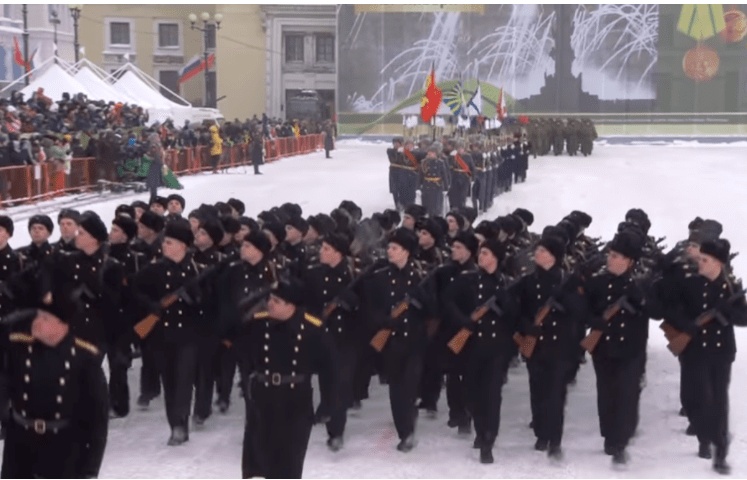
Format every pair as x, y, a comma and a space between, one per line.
276, 379
40, 426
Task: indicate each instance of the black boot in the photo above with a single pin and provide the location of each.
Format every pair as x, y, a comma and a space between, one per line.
720, 466
555, 452
704, 450
478, 443
178, 436
620, 457
691, 430
541, 445
486, 455
465, 427
609, 449
335, 443
407, 444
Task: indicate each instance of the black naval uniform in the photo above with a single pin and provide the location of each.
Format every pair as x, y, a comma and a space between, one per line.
403, 352
278, 359
480, 188
324, 285
553, 361
435, 182
410, 177
236, 282
490, 348
619, 357
460, 179
175, 337
707, 359
63, 246
59, 418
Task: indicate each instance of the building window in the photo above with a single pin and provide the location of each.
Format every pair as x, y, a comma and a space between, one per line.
169, 79
168, 35
6, 10
325, 48
210, 37
294, 48
119, 33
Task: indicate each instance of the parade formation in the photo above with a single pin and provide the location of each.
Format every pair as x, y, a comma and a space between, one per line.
422, 297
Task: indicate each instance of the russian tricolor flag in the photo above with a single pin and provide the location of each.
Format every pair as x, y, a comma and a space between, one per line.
194, 67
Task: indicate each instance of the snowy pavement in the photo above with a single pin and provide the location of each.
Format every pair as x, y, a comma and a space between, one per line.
672, 183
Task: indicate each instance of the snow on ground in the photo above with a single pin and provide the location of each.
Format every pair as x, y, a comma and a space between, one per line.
672, 183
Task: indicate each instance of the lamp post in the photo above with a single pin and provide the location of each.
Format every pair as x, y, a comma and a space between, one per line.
25, 12
75, 11
205, 29
55, 20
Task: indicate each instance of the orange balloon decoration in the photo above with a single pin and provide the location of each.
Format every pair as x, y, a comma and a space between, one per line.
700, 63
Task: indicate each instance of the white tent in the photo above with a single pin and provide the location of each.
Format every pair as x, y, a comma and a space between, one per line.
55, 81
104, 90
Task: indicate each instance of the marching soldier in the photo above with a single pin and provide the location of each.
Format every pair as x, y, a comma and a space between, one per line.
330, 298
587, 135
174, 337
411, 173
175, 206
435, 180
40, 229
462, 169
398, 305
550, 311
59, 423
479, 188
707, 358
395, 171
619, 320
149, 228
571, 136
490, 347
430, 253
280, 349
252, 273
67, 220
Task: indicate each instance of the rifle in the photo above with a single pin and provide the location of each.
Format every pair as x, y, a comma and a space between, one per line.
456, 344
146, 325
589, 343
678, 341
527, 343
378, 342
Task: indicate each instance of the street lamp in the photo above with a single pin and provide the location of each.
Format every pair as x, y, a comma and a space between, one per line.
205, 17
75, 11
55, 20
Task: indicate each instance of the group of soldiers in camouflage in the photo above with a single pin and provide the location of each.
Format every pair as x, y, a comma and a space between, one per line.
416, 297
555, 134
479, 168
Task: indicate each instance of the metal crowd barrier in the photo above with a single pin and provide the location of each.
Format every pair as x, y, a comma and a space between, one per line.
29, 184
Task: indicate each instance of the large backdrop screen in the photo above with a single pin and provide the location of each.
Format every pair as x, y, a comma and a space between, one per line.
620, 61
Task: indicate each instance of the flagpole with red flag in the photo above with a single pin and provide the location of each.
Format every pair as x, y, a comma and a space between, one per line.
431, 100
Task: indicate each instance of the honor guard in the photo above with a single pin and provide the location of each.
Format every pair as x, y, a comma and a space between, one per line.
462, 169
435, 180
67, 220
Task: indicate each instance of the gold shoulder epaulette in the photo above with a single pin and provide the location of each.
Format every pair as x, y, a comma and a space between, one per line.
86, 346
21, 338
259, 315
312, 320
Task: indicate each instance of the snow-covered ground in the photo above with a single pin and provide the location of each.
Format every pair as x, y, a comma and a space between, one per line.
672, 183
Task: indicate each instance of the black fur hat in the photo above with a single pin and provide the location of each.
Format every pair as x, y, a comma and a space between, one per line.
338, 241
299, 224
7, 223
161, 201
430, 226
259, 240
152, 220
708, 230
230, 224
125, 209
627, 243
214, 229
458, 217
416, 211
92, 223
405, 238
237, 205
554, 245
277, 229
178, 198
43, 220
718, 248
495, 247
525, 215
127, 224
180, 229
353, 209
73, 215
468, 240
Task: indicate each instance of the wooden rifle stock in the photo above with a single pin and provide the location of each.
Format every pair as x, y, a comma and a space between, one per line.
680, 341
456, 344
527, 343
331, 307
378, 342
146, 325
589, 343
669, 331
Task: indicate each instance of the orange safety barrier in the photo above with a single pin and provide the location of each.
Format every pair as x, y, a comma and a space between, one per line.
32, 183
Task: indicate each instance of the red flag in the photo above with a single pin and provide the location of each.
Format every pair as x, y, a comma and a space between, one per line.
432, 99
18, 56
501, 107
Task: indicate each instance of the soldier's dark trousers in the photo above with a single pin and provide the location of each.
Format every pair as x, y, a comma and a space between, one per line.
177, 366
207, 358
394, 184
478, 197
686, 390
485, 372
364, 369
407, 188
458, 191
710, 379
227, 365
27, 454
277, 429
433, 199
347, 353
456, 388
548, 385
434, 364
403, 367
119, 390
150, 383
618, 395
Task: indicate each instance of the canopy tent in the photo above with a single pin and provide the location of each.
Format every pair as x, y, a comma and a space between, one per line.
104, 90
55, 81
